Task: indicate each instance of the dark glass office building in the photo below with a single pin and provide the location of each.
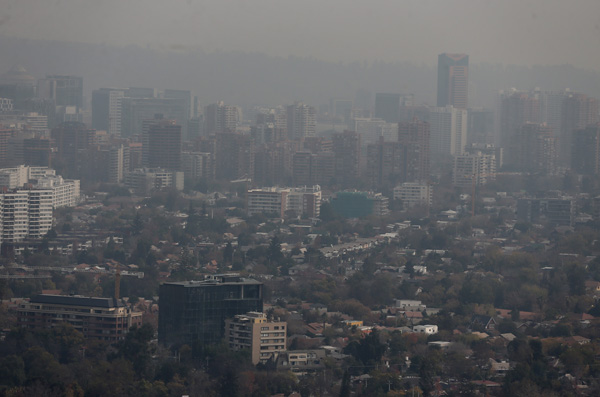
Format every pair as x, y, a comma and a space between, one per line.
193, 312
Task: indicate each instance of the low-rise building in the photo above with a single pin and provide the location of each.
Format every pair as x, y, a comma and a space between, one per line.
414, 193
96, 318
426, 329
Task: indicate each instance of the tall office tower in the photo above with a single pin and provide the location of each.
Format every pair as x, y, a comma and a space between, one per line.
5, 135
414, 136
195, 311
449, 128
164, 145
341, 109
534, 149
65, 90
453, 80
184, 95
71, 139
219, 117
515, 109
578, 112
586, 150
141, 92
301, 121
106, 109
37, 151
43, 107
385, 163
135, 111
387, 107
346, 146
475, 167
18, 85
234, 156
481, 126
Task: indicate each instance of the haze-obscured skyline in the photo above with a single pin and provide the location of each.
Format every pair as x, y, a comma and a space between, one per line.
510, 31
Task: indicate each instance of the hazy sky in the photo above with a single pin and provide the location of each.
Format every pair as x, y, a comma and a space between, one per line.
508, 31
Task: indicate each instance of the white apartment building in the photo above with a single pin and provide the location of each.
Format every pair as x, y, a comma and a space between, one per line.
144, 180
25, 213
474, 168
302, 200
414, 193
426, 329
65, 192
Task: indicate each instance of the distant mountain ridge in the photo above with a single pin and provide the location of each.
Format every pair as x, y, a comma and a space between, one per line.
252, 78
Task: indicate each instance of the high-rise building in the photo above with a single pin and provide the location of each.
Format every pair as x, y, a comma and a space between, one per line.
301, 121
37, 151
449, 128
198, 165
476, 167
195, 311
346, 146
534, 149
387, 107
136, 111
17, 85
578, 112
453, 80
586, 150
515, 109
234, 156
65, 90
481, 126
253, 331
414, 136
385, 163
164, 145
71, 140
106, 109
219, 117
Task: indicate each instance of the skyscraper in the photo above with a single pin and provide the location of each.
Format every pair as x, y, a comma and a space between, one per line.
106, 109
65, 90
387, 107
346, 146
219, 117
414, 137
164, 145
449, 127
301, 121
586, 150
453, 80
578, 111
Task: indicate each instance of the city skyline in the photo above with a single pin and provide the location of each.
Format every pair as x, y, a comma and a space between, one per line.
275, 28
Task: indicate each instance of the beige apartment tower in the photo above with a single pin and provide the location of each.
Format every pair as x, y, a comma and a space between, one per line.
253, 331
